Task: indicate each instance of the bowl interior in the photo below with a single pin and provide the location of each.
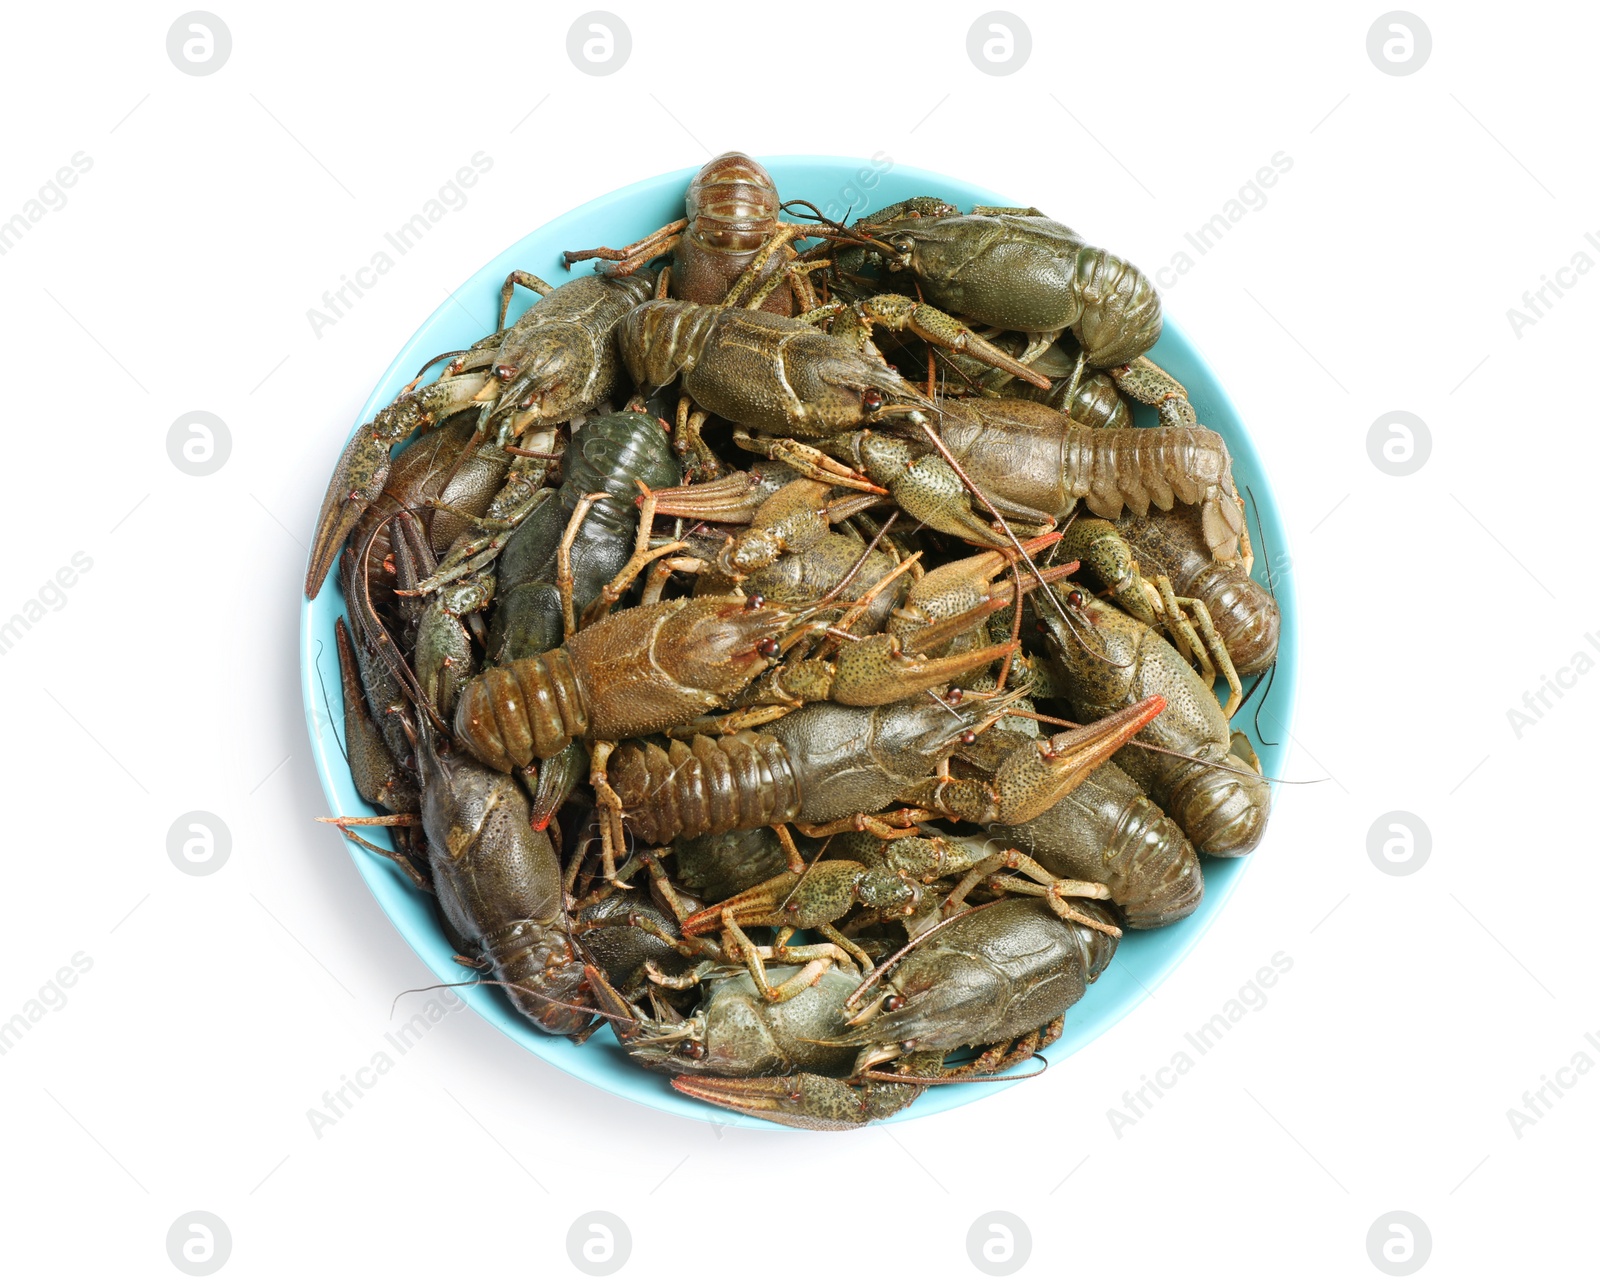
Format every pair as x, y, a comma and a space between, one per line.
834, 184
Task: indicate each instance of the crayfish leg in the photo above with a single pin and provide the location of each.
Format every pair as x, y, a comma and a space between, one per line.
1147, 383
634, 255
517, 277
612, 840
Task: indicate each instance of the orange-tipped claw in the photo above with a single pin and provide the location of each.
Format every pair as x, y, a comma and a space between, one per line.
775, 1099
752, 908
876, 669
734, 498
806, 1100
1034, 778
818, 896
357, 480
1110, 733
928, 618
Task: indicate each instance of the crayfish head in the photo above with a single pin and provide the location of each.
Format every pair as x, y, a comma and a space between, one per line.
674, 1043
549, 380
839, 388
720, 645
1070, 618
904, 256
736, 1033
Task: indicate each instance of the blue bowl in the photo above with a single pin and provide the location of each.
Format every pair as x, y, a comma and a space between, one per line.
1143, 959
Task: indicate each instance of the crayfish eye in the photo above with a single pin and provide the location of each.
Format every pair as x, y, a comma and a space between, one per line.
692, 1050
894, 1003
953, 695
968, 738
903, 245
871, 400
768, 647
755, 603
1074, 599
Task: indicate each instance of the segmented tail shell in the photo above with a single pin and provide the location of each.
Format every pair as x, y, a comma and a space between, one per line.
1109, 830
1136, 467
1098, 403
732, 204
530, 707
1163, 882
613, 454
706, 786
732, 208
1121, 309
1244, 612
1222, 811
542, 966
661, 338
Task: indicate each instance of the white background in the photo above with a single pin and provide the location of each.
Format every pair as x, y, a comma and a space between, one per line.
178, 276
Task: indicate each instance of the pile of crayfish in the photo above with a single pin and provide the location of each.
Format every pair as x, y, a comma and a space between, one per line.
783, 646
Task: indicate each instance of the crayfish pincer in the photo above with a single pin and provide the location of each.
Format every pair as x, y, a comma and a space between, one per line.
499, 887
737, 1033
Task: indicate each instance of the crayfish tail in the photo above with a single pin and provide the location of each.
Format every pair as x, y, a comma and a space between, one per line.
704, 787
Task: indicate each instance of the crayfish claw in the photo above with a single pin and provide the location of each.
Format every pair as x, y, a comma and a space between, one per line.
818, 895
733, 498
876, 670
1030, 778
362, 471
806, 1100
